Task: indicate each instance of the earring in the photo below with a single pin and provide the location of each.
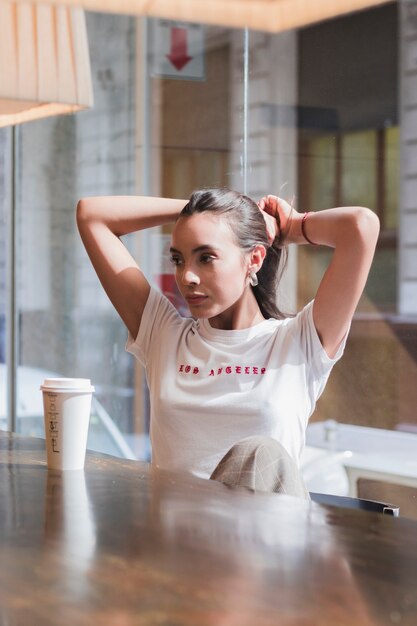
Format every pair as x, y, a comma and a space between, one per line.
253, 279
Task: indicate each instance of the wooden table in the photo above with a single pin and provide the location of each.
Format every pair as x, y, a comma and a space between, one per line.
124, 544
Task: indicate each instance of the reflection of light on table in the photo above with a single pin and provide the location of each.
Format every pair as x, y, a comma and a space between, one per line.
68, 520
251, 543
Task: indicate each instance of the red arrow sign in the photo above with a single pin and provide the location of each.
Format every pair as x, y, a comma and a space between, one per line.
178, 55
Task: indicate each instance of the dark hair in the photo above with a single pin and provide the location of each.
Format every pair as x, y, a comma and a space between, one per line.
249, 228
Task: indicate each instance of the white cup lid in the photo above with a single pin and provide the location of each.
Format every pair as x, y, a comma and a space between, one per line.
64, 384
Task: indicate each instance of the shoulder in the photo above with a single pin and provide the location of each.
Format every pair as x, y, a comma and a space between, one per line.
160, 322
163, 308
302, 329
295, 323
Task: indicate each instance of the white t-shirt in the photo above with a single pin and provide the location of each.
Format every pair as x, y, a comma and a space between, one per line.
210, 388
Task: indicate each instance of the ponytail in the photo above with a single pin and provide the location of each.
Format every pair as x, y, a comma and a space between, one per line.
269, 277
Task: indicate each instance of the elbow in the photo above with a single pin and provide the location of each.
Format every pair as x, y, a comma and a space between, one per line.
366, 224
82, 211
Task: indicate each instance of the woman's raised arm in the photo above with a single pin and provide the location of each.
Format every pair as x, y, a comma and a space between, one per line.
353, 233
101, 222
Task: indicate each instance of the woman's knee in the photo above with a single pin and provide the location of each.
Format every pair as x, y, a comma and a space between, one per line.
254, 443
260, 463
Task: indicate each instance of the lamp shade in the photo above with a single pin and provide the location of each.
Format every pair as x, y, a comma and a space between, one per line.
267, 15
44, 62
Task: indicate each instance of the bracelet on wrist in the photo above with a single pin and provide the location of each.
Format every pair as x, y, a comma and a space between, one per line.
303, 229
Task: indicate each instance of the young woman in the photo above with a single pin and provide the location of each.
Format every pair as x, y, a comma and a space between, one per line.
232, 387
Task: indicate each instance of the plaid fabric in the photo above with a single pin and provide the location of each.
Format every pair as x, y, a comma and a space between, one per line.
261, 464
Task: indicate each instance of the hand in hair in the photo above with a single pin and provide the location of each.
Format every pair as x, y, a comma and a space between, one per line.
281, 212
272, 229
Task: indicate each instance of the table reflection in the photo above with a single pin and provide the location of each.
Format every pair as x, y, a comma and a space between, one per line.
69, 521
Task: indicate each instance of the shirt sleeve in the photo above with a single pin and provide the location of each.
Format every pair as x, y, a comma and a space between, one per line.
158, 318
319, 364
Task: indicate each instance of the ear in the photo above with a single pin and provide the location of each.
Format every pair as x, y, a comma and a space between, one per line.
257, 257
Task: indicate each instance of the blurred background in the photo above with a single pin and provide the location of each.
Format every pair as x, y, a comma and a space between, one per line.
325, 115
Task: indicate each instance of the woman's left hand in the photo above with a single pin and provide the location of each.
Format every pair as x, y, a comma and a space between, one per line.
277, 214
272, 229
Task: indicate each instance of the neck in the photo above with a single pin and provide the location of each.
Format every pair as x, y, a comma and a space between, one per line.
244, 313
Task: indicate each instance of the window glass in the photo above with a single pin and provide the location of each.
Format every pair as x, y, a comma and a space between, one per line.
192, 123
195, 121
179, 126
321, 128
321, 174
359, 172
67, 326
349, 116
4, 187
391, 175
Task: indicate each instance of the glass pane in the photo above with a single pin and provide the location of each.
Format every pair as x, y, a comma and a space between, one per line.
340, 86
320, 156
359, 170
4, 212
392, 164
67, 325
322, 130
182, 129
192, 117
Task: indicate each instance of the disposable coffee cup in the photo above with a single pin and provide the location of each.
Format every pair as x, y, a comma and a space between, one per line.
67, 405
